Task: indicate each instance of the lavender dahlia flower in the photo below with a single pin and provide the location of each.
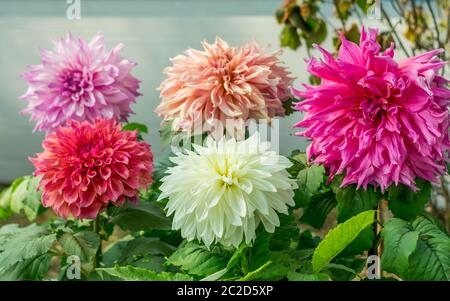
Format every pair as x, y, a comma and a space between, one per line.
80, 81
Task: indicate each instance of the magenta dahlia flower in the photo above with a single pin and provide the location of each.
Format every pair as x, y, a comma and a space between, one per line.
375, 120
80, 81
223, 82
84, 166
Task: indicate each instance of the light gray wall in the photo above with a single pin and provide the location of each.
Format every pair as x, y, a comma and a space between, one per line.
152, 31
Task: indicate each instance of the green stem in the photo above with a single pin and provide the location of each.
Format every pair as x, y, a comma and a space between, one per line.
438, 34
96, 228
374, 248
341, 17
397, 8
394, 32
446, 193
358, 15
244, 262
325, 18
416, 19
308, 52
250, 275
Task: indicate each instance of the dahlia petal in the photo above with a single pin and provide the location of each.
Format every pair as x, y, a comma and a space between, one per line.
116, 187
350, 52
121, 170
105, 173
87, 197
70, 195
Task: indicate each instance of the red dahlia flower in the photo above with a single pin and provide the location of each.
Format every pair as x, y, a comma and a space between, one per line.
85, 166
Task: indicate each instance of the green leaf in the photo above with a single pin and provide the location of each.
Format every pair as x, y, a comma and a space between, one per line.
289, 37
416, 251
346, 268
295, 18
363, 5
314, 80
318, 209
434, 220
113, 251
25, 243
166, 133
260, 251
353, 34
294, 276
428, 228
299, 162
361, 243
145, 252
307, 241
144, 246
170, 237
216, 276
318, 34
197, 260
7, 232
352, 201
33, 268
139, 274
237, 256
300, 199
299, 158
288, 106
309, 180
132, 126
344, 8
431, 259
83, 244
407, 204
400, 241
4, 213
32, 203
286, 234
22, 197
279, 15
280, 263
18, 194
5, 195
338, 238
160, 168
143, 216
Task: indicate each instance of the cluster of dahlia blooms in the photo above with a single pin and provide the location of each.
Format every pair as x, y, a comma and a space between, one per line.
80, 81
86, 165
206, 88
377, 121
222, 191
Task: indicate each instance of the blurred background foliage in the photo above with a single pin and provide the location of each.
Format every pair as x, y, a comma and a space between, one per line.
422, 23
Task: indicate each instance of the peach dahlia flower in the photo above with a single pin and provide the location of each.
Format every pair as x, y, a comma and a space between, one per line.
222, 83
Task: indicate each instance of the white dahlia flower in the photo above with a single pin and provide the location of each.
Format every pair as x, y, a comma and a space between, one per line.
222, 191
